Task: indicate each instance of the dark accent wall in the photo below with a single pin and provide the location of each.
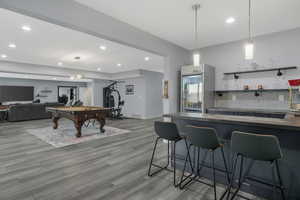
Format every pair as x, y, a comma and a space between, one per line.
16, 93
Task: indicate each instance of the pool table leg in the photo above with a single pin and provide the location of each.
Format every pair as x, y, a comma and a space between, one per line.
101, 121
78, 126
55, 122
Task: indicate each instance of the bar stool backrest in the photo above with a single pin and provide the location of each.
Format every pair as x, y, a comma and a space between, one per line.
182, 126
256, 146
167, 130
203, 137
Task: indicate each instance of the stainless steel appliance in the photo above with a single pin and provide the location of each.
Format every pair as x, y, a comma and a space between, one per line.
197, 88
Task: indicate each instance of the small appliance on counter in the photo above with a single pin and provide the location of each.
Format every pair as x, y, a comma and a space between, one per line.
197, 88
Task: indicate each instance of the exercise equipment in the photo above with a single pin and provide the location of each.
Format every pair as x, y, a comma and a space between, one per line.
112, 99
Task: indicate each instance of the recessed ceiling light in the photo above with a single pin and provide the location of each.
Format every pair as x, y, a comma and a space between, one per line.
102, 47
60, 64
26, 28
54, 78
147, 58
3, 56
72, 77
119, 64
230, 20
98, 69
12, 45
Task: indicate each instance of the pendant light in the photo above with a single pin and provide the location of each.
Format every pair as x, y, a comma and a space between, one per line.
196, 54
249, 46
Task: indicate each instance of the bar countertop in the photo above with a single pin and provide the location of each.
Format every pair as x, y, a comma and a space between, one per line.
265, 111
290, 124
286, 130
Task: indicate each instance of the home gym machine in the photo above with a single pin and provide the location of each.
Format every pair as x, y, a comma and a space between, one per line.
112, 99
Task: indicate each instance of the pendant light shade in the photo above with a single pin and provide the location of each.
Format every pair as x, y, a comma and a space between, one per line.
249, 46
196, 54
196, 59
249, 50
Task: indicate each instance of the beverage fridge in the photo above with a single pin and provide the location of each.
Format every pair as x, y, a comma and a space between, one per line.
197, 88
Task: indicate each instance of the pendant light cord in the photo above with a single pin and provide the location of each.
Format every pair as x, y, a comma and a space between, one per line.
196, 26
196, 8
249, 22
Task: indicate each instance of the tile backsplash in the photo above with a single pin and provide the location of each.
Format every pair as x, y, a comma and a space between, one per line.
266, 100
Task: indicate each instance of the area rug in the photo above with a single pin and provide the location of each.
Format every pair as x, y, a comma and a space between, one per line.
64, 135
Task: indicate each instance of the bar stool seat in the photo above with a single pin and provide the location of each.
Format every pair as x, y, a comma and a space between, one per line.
256, 147
203, 138
167, 131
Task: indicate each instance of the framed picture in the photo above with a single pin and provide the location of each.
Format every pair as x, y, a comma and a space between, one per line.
166, 89
129, 89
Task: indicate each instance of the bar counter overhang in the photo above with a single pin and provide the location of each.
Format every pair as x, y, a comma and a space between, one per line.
287, 131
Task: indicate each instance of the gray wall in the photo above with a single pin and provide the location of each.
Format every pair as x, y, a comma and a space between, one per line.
40, 85
96, 91
274, 50
154, 105
75, 16
146, 102
135, 105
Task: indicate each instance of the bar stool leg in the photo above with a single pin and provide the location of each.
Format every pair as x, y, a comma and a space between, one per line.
214, 173
152, 157
280, 180
225, 165
187, 159
232, 176
198, 162
240, 178
174, 164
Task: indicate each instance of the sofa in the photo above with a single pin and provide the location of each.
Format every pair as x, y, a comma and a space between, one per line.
30, 111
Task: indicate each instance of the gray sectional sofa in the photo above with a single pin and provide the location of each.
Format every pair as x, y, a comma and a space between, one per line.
30, 111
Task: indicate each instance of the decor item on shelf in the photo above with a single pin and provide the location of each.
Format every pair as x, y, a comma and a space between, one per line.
196, 54
249, 46
256, 93
246, 87
235, 76
259, 87
166, 89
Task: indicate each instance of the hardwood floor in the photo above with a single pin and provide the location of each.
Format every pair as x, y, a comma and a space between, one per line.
111, 168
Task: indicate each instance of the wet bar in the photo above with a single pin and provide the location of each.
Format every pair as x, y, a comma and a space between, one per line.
287, 131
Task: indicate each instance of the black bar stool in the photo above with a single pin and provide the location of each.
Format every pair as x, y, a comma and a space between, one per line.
255, 147
203, 138
167, 131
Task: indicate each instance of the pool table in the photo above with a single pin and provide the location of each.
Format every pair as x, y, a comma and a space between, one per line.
79, 114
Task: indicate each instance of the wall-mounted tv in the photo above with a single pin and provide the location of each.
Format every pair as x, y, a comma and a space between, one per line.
16, 93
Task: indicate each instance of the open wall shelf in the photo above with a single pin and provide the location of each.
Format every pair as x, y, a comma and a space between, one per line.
263, 90
256, 92
279, 69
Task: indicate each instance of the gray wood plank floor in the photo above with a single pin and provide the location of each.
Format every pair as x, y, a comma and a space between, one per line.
110, 168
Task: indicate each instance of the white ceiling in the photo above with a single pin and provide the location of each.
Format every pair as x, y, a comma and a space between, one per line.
173, 20
41, 77
48, 44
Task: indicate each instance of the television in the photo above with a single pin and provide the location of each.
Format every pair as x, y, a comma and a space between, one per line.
16, 93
